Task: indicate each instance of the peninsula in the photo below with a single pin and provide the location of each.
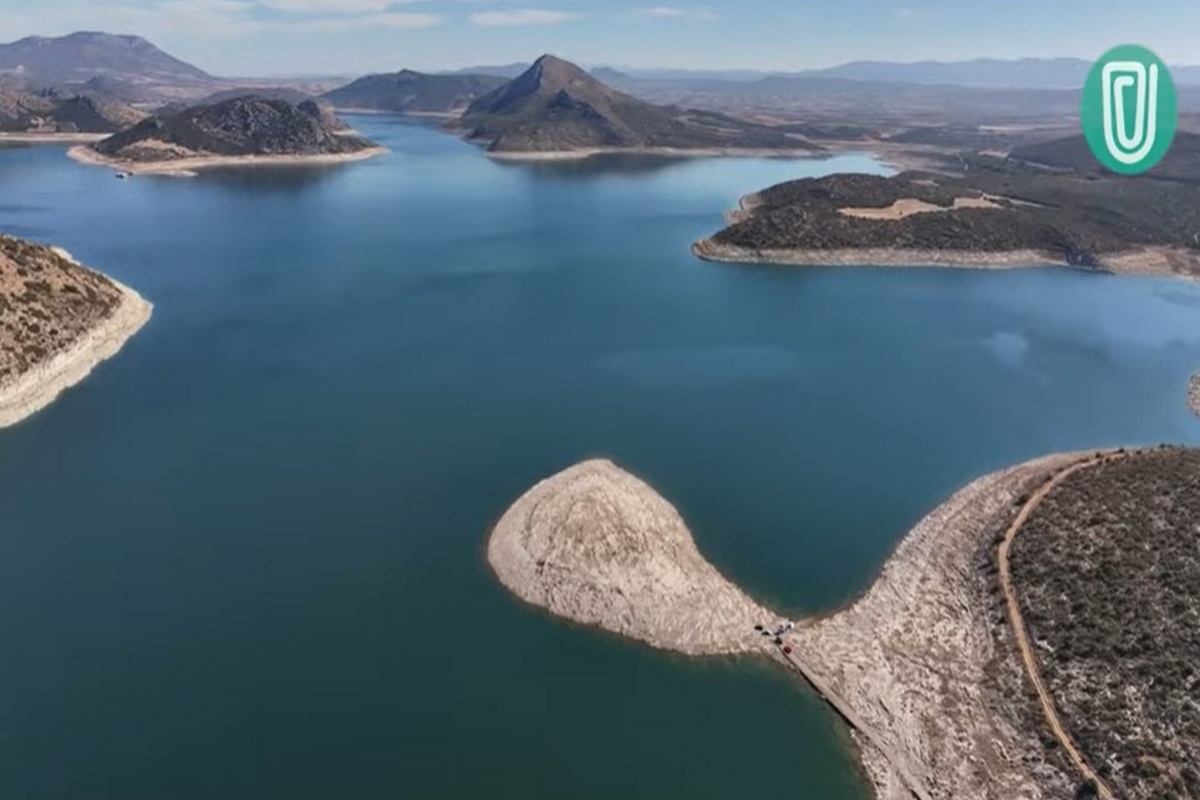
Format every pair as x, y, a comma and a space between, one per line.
58, 320
1030, 207
239, 131
557, 110
927, 666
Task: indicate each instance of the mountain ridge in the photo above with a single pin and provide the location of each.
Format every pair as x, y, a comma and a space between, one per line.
409, 91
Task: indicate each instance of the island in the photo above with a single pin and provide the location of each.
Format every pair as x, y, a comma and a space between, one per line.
555, 110
1194, 394
934, 668
1037, 205
241, 131
58, 320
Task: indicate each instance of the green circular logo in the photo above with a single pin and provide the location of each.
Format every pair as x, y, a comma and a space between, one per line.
1128, 109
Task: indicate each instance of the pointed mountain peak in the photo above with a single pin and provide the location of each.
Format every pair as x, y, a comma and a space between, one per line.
556, 70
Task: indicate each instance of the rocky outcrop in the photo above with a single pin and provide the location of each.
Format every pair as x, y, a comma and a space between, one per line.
243, 126
1194, 394
598, 546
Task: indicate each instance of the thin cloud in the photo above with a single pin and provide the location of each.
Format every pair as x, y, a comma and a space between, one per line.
524, 16
672, 12
661, 11
328, 6
396, 21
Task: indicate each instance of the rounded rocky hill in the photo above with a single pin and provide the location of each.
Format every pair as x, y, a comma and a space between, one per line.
598, 546
242, 126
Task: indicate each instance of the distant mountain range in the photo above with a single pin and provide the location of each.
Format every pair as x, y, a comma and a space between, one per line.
414, 92
1024, 73
556, 107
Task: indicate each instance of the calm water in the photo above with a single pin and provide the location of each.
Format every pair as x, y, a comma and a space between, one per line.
244, 559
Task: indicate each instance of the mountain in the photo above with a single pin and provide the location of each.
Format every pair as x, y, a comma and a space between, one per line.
55, 112
1182, 162
508, 71
408, 91
609, 75
243, 126
86, 55
555, 106
1025, 73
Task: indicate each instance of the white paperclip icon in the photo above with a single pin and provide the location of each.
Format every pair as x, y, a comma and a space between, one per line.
1119, 76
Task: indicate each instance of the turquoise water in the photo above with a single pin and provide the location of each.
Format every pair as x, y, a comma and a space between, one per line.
244, 558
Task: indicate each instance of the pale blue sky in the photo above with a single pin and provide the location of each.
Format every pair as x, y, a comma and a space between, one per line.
320, 36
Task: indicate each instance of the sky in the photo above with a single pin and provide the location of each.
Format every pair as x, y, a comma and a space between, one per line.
314, 37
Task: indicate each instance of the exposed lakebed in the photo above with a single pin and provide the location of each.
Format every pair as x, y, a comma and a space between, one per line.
244, 557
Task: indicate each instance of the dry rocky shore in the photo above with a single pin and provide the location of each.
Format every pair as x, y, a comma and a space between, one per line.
58, 320
918, 658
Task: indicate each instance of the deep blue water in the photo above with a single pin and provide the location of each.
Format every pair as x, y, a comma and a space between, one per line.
244, 558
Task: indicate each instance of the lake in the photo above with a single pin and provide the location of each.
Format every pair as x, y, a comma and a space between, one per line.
244, 559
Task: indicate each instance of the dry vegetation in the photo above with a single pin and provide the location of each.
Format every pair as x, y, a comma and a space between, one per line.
1108, 574
46, 303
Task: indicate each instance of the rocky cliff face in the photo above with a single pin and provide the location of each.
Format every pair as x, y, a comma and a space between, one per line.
555, 106
243, 126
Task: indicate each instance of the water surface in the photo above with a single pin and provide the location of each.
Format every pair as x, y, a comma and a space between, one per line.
244, 559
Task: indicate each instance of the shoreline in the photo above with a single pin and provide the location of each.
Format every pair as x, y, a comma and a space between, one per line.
664, 152
919, 656
1150, 261
1194, 394
52, 138
41, 385
187, 167
930, 676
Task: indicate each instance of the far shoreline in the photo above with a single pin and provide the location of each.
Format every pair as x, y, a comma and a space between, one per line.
1145, 260
187, 167
52, 138
580, 154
